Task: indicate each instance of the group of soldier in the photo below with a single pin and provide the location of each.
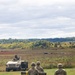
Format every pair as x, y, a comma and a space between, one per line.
36, 69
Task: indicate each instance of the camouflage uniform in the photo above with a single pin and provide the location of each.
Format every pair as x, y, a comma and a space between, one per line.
60, 71
32, 70
16, 58
38, 67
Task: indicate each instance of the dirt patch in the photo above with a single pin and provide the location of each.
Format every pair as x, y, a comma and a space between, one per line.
6, 52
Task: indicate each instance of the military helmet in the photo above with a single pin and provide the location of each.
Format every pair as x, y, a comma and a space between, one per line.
15, 55
38, 63
59, 65
33, 64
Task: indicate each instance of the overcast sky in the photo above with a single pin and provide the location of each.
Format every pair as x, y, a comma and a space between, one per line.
24, 19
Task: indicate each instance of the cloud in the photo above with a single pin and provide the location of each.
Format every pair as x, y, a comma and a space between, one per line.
37, 18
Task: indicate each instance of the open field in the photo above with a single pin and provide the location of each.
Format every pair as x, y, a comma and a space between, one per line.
48, 58
48, 71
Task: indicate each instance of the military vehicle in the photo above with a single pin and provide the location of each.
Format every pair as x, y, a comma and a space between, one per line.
18, 65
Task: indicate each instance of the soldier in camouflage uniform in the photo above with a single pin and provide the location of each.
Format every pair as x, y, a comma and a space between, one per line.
38, 67
16, 58
60, 71
32, 70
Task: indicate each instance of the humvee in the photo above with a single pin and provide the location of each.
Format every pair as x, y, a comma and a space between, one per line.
19, 65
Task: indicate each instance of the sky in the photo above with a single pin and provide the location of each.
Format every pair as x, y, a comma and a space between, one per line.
24, 19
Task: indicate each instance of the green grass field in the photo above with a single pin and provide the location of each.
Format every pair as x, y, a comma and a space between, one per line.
50, 60
48, 71
51, 71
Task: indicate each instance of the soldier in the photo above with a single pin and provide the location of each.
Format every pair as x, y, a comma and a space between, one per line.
38, 67
60, 71
16, 58
32, 70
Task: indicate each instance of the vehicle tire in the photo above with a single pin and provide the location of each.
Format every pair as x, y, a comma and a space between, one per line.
14, 69
7, 70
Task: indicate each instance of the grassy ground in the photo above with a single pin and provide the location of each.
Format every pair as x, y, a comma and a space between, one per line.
48, 71
49, 57
51, 71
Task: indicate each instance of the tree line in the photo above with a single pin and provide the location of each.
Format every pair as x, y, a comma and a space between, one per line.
34, 44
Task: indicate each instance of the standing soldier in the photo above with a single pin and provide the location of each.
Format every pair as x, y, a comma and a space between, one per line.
38, 67
32, 70
60, 71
